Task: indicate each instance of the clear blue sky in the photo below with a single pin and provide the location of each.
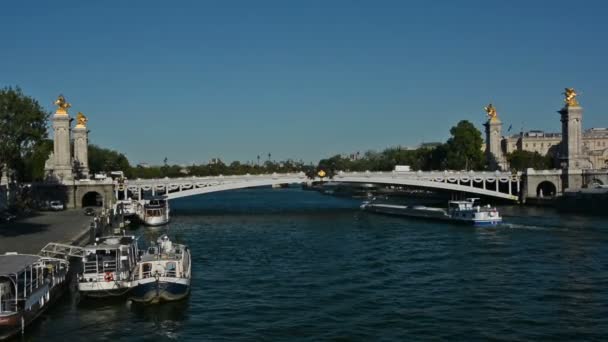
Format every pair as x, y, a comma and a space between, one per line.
192, 80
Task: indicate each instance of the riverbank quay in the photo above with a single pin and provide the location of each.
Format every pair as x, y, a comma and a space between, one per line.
30, 234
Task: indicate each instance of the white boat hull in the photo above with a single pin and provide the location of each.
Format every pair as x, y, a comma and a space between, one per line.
101, 289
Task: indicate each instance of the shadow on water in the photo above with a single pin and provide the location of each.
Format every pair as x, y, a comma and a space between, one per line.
157, 313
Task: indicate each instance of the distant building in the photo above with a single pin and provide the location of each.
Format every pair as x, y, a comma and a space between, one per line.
595, 145
573, 148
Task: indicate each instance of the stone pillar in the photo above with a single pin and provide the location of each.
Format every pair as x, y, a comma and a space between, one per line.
81, 152
572, 136
493, 143
571, 149
62, 159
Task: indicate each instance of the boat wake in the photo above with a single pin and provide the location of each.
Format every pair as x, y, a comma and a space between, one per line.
531, 227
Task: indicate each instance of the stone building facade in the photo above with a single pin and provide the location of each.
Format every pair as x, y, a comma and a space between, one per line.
572, 148
594, 147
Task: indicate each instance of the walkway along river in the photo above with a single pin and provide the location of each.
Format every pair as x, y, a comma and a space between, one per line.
294, 265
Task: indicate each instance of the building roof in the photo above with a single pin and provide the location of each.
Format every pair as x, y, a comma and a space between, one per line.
15, 263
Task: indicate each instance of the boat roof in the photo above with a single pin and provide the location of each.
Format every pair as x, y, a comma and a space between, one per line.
112, 241
15, 263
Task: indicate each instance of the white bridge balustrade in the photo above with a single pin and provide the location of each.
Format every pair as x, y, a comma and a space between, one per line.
504, 185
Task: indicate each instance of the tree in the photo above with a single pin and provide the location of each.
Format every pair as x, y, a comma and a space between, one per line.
22, 127
32, 167
105, 160
463, 149
520, 160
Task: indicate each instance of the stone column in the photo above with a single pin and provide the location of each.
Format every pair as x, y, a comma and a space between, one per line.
493, 143
572, 159
572, 135
62, 163
81, 153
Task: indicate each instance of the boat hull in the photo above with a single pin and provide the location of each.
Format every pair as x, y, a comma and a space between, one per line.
155, 221
163, 289
104, 289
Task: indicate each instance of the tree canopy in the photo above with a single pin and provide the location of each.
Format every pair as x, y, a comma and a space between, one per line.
522, 160
463, 149
23, 126
106, 160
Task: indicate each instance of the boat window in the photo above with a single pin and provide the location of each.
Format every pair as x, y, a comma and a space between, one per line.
170, 269
146, 268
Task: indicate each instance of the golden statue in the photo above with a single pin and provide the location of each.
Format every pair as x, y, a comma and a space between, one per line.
491, 111
62, 105
570, 99
81, 120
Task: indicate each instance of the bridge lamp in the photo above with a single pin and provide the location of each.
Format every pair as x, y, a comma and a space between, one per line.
321, 174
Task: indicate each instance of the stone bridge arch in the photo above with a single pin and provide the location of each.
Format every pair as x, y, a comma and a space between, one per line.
546, 189
84, 192
92, 199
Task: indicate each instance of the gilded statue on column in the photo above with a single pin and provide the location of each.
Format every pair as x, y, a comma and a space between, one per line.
491, 112
81, 120
570, 97
62, 105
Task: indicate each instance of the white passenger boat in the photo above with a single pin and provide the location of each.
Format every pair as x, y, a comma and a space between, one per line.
156, 212
108, 266
163, 273
467, 211
29, 284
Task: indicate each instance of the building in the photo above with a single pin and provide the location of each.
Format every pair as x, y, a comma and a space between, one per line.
583, 149
594, 148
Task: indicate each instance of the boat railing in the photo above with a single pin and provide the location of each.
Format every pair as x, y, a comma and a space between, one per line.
109, 266
93, 266
144, 275
8, 306
90, 267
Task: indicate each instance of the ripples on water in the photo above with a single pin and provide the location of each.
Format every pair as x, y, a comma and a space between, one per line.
294, 265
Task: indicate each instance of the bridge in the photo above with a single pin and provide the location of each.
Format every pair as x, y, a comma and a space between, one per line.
501, 185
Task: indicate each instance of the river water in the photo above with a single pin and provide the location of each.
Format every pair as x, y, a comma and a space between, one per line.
296, 265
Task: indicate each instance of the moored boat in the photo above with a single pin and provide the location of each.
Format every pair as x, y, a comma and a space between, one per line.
163, 273
29, 284
156, 212
467, 211
108, 266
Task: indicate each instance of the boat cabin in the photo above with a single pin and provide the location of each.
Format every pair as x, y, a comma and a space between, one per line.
26, 283
110, 258
165, 259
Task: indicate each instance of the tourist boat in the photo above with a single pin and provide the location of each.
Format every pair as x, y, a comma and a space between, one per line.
163, 273
107, 266
467, 211
156, 212
29, 284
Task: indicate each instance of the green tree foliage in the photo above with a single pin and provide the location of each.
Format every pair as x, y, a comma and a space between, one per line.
106, 160
22, 127
521, 160
32, 168
463, 149
218, 167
